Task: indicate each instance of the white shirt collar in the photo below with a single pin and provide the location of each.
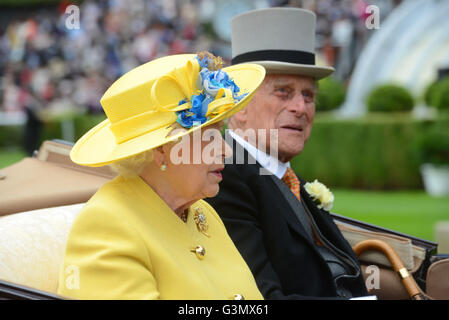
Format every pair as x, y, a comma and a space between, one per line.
268, 162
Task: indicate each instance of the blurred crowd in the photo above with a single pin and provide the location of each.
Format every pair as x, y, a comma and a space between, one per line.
342, 29
44, 65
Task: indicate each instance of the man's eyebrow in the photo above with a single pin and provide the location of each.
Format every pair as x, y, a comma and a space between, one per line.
313, 87
286, 82
282, 82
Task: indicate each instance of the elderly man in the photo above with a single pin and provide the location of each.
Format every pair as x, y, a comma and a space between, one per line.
293, 248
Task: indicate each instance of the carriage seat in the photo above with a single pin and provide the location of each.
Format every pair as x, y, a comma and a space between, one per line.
32, 245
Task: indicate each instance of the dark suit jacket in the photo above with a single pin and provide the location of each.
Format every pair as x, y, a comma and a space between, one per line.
264, 226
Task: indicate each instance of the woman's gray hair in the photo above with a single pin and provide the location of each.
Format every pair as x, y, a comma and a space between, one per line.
133, 165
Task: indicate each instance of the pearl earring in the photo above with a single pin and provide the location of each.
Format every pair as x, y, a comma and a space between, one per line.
164, 167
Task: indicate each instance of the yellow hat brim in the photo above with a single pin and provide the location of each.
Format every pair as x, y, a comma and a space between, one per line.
98, 146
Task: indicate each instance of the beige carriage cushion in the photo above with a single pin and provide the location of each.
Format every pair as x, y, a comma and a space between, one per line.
32, 245
438, 280
411, 256
34, 184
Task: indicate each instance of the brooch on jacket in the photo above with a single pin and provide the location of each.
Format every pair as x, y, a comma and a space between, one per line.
201, 223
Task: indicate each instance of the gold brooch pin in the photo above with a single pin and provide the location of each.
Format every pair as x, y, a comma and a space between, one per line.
201, 223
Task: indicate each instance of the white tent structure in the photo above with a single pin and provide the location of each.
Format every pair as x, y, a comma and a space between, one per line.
410, 46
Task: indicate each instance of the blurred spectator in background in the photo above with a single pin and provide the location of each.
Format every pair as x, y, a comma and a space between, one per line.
69, 69
33, 106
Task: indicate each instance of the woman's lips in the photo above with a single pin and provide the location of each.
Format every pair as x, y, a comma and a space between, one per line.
217, 173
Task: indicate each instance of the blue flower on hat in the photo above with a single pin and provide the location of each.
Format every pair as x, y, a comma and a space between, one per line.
203, 61
211, 83
196, 115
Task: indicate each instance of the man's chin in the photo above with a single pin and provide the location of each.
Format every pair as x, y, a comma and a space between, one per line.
285, 154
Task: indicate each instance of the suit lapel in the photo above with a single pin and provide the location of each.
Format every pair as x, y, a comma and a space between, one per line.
299, 215
325, 222
294, 215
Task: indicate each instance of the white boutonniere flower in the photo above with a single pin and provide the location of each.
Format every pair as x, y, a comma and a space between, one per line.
322, 196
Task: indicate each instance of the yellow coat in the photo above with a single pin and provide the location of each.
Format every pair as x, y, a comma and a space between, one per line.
127, 243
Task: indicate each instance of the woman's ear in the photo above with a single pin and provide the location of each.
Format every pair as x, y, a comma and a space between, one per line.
159, 156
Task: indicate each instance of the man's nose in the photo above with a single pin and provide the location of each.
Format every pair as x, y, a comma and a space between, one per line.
297, 105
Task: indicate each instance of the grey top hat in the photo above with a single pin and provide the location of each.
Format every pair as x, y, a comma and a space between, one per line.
280, 39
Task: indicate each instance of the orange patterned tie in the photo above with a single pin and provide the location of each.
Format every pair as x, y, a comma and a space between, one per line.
292, 181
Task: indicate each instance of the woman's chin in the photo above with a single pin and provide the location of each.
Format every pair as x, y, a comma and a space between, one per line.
212, 192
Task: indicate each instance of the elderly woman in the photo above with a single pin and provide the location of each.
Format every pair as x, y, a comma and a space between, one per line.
147, 234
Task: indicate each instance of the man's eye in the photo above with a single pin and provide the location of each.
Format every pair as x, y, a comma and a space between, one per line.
282, 91
309, 96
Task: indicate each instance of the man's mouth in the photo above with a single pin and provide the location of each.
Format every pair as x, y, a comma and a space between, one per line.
293, 128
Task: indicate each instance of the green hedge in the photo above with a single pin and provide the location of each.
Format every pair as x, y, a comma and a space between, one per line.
436, 94
82, 123
440, 98
11, 136
429, 93
375, 152
433, 145
331, 94
389, 98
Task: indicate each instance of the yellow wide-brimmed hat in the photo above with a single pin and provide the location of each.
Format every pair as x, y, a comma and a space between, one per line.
144, 103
